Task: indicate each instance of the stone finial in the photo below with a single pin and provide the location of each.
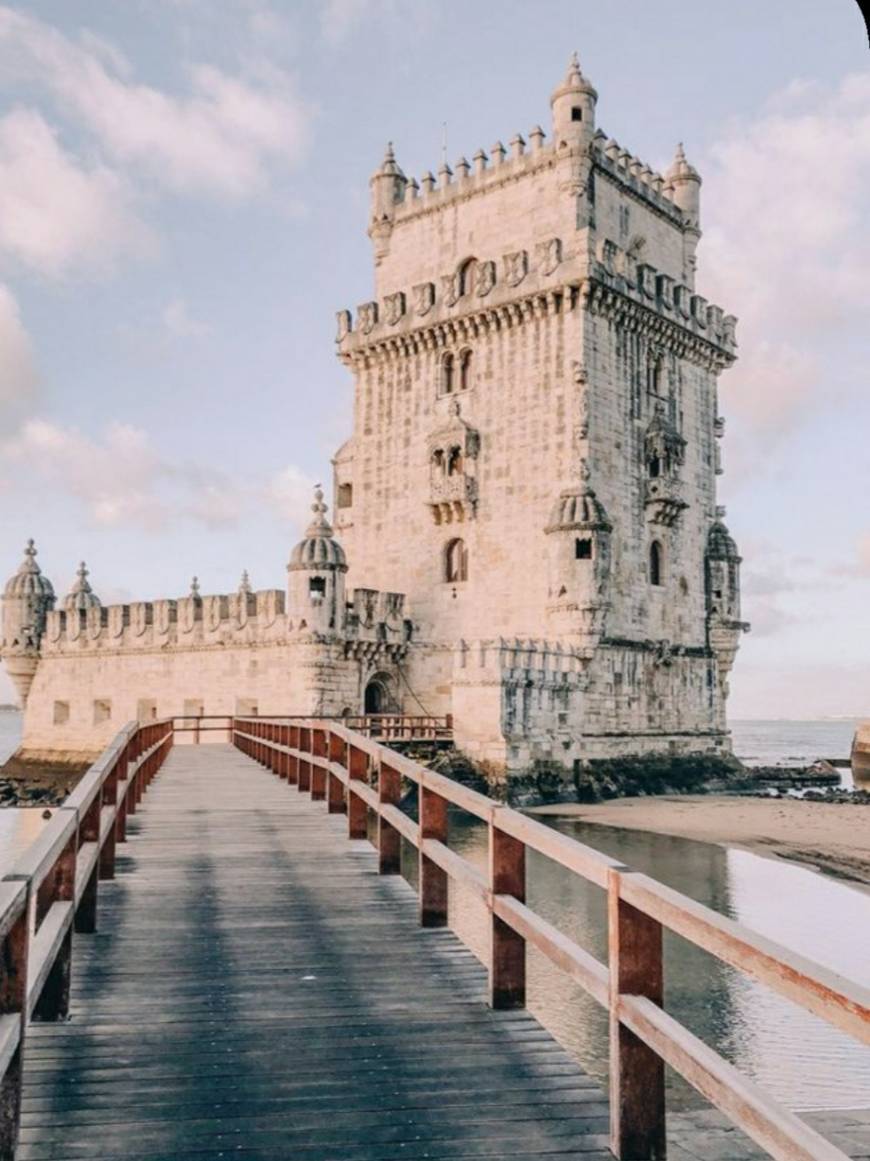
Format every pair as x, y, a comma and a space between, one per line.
319, 525
412, 190
427, 182
245, 584
480, 160
81, 596
194, 588
445, 174
536, 138
518, 145
463, 169
497, 153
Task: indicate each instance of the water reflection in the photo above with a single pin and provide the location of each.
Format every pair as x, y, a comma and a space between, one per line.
797, 1058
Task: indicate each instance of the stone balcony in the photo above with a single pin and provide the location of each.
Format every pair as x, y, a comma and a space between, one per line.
452, 498
663, 500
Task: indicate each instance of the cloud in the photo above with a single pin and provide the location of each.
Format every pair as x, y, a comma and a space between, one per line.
859, 566
220, 138
180, 323
787, 245
121, 479
57, 213
18, 376
290, 493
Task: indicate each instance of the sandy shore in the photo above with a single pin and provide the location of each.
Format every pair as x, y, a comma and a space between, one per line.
831, 838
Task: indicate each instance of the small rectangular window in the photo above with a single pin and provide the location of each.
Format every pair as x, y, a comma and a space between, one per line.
61, 713
317, 587
344, 497
102, 710
583, 549
576, 113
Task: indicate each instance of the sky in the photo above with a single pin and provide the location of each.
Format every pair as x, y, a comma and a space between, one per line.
183, 204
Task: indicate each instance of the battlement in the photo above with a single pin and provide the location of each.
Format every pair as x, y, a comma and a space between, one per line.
520, 284
241, 618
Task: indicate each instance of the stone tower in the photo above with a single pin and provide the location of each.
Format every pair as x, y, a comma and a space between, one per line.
27, 599
535, 444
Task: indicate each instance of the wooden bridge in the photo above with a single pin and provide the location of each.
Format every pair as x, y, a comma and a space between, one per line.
259, 987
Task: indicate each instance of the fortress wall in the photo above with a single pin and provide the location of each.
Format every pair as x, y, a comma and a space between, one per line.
102, 690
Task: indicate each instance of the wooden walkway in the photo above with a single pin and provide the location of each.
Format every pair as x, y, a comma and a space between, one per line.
257, 990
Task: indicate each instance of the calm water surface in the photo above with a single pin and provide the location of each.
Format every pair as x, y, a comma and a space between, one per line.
795, 1056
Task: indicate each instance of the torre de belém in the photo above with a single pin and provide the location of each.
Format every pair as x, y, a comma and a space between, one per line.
525, 528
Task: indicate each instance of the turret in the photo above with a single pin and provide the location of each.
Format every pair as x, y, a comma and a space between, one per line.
722, 585
573, 105
81, 596
316, 576
578, 535
27, 599
683, 184
387, 185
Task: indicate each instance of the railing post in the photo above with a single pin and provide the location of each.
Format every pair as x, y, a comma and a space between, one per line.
433, 881
53, 1003
13, 1002
318, 774
304, 782
293, 767
507, 876
110, 798
637, 1073
89, 832
389, 839
335, 797
357, 813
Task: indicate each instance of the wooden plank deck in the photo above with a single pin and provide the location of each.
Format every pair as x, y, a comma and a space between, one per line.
257, 990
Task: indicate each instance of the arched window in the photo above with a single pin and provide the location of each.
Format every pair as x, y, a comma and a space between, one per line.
456, 561
455, 462
438, 459
656, 563
464, 370
655, 375
447, 374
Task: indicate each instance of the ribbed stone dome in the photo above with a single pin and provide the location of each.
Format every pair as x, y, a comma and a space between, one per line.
578, 508
81, 596
29, 581
319, 549
721, 544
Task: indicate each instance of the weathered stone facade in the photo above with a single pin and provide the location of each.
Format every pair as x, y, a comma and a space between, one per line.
528, 496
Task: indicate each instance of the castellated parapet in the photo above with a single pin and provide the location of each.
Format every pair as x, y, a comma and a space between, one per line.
526, 532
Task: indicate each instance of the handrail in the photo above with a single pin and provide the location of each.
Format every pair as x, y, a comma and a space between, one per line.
355, 774
51, 892
393, 727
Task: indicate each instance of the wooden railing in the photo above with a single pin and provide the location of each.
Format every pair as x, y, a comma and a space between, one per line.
51, 891
402, 727
355, 774
387, 727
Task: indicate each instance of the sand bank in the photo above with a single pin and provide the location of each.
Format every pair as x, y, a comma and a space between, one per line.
832, 838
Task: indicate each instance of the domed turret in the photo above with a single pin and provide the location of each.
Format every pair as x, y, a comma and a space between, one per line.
316, 574
81, 596
683, 183
387, 185
578, 534
722, 572
27, 599
573, 105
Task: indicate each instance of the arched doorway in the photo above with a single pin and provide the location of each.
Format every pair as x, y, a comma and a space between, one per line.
376, 697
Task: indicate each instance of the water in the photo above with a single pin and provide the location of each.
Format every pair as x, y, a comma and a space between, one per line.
794, 1056
10, 732
782, 743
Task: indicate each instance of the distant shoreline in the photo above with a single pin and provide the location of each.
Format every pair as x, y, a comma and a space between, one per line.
819, 835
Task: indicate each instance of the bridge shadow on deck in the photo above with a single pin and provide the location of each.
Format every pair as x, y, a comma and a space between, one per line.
258, 990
